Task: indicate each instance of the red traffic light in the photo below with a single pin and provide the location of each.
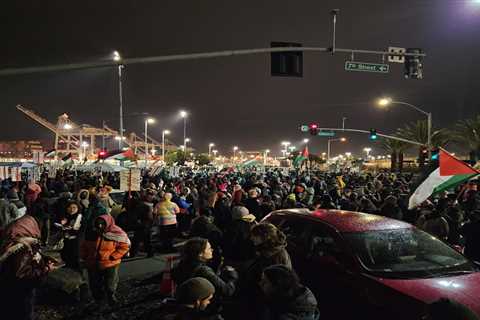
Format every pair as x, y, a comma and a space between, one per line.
102, 153
313, 126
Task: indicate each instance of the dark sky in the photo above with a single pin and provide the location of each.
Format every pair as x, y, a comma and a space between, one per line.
235, 101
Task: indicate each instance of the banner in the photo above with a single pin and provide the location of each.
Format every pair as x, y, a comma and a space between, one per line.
130, 180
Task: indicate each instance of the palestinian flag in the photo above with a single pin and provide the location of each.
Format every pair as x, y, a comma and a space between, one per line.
50, 153
121, 155
297, 162
450, 173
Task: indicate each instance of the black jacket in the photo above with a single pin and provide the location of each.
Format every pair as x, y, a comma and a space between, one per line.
299, 307
224, 287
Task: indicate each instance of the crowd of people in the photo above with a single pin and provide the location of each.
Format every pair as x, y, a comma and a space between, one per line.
229, 258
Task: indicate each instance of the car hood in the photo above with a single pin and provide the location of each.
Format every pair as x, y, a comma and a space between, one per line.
464, 289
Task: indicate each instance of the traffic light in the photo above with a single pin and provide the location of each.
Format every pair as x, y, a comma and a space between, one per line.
313, 129
373, 134
286, 63
414, 64
102, 154
435, 154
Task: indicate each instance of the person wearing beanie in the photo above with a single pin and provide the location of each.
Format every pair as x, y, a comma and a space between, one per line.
192, 298
237, 243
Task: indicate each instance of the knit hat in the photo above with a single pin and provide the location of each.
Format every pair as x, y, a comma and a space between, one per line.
193, 290
12, 195
242, 213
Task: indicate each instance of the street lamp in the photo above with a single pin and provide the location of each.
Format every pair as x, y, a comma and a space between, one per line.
235, 148
265, 154
210, 146
118, 58
164, 132
184, 115
147, 122
67, 126
215, 153
342, 139
185, 144
386, 101
84, 146
285, 144
367, 150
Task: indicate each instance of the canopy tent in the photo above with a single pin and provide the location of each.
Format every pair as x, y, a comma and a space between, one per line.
104, 167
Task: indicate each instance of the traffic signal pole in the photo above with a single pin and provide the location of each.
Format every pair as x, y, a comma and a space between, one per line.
386, 136
204, 55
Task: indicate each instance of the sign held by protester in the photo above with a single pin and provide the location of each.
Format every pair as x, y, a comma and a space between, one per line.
130, 179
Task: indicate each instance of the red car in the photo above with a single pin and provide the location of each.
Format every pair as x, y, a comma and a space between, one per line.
363, 266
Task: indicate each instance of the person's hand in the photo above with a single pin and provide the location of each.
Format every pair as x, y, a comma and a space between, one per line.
63, 221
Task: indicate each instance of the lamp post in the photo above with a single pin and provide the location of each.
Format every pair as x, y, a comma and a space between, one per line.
210, 146
235, 148
265, 154
185, 145
147, 122
285, 145
184, 114
164, 132
118, 58
384, 102
367, 151
329, 147
84, 146
214, 154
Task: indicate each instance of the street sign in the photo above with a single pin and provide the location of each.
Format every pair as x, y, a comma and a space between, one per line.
366, 67
304, 128
326, 133
395, 57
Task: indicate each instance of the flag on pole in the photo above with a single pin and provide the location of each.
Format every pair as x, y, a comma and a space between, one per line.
450, 173
121, 155
297, 162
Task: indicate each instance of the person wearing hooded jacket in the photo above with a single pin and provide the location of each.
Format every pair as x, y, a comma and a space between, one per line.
23, 268
102, 255
286, 298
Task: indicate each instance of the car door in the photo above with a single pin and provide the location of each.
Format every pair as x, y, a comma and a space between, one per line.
331, 270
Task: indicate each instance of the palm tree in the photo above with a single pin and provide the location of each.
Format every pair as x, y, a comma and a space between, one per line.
396, 150
418, 131
467, 134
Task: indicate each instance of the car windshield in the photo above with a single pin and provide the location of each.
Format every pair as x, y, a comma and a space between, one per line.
407, 253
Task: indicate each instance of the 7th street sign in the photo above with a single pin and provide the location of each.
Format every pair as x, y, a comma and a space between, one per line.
367, 67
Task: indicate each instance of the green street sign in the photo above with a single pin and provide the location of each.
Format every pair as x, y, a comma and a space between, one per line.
304, 128
367, 67
326, 133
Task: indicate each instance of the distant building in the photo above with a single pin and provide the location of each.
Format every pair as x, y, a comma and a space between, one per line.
21, 148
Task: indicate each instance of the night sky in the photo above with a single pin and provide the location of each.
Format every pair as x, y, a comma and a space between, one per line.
234, 100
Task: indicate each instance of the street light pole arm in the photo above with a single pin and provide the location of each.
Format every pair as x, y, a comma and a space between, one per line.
412, 106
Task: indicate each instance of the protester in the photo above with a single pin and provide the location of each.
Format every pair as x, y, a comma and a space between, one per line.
166, 215
285, 297
70, 225
103, 255
192, 298
141, 217
471, 232
197, 252
23, 267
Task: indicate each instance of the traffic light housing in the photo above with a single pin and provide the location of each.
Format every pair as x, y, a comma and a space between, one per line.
373, 134
414, 64
313, 129
103, 154
286, 63
435, 156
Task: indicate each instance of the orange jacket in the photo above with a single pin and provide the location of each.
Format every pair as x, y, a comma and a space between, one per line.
102, 253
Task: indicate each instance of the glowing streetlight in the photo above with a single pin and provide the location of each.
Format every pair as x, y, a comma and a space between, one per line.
67, 126
116, 56
285, 144
215, 153
385, 101
367, 150
184, 115
185, 144
147, 122
265, 154
164, 132
210, 146
342, 139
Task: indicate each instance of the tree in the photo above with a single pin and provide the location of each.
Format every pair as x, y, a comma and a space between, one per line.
203, 159
176, 156
396, 150
467, 134
418, 131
